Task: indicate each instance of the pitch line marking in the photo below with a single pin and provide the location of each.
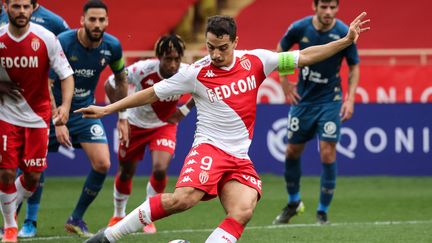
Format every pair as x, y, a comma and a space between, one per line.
51, 238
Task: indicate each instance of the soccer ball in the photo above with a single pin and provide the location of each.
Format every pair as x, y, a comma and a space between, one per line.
179, 241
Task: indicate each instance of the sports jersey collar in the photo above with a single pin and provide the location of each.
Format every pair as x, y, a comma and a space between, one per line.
19, 39
231, 65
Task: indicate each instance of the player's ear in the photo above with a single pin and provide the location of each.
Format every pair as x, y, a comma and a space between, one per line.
314, 8
236, 42
82, 20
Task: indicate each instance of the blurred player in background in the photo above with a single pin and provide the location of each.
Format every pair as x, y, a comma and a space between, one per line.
148, 125
224, 85
56, 25
28, 50
89, 50
317, 104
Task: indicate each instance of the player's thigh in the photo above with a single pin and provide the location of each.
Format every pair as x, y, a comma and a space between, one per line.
99, 156
12, 140
139, 139
35, 151
162, 145
301, 124
238, 200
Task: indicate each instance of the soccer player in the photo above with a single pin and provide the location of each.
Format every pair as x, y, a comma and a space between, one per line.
27, 51
317, 104
147, 125
56, 25
224, 85
89, 50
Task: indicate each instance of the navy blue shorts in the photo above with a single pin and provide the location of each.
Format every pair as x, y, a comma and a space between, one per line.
81, 130
304, 122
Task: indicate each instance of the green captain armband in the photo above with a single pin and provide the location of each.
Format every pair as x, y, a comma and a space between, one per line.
286, 63
118, 65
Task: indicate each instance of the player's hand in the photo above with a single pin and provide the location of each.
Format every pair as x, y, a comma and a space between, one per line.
62, 134
60, 116
357, 27
10, 89
92, 111
290, 91
347, 110
124, 132
175, 117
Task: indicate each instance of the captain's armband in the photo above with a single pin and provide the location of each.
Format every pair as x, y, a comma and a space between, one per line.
288, 61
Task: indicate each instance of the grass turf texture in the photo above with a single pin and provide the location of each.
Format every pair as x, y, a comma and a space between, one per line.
364, 209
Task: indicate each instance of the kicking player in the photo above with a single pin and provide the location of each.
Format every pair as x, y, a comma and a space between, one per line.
89, 50
28, 50
56, 25
147, 125
318, 105
224, 86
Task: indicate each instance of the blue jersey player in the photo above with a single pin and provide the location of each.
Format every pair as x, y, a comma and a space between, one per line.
89, 50
56, 25
318, 106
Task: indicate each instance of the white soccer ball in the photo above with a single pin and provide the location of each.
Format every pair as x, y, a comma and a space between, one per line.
179, 241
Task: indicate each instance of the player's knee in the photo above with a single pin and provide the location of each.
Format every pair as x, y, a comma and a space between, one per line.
31, 179
328, 155
184, 199
102, 166
242, 215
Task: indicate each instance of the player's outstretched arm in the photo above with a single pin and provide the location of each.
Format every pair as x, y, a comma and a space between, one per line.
143, 97
314, 54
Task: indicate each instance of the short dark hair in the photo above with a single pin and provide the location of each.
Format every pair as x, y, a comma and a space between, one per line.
33, 2
325, 1
168, 43
222, 25
95, 4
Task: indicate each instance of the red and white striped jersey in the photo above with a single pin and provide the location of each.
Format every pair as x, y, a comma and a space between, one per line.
26, 61
144, 74
225, 97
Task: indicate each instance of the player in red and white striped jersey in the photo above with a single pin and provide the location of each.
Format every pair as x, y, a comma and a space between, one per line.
148, 125
224, 86
27, 51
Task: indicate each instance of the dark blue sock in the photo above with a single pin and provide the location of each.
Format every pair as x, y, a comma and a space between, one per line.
34, 201
92, 186
292, 179
327, 187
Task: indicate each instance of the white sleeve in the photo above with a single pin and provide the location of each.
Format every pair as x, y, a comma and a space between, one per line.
132, 73
182, 82
270, 59
58, 60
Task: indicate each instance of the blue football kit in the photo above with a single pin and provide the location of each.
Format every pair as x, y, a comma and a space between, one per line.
88, 64
319, 85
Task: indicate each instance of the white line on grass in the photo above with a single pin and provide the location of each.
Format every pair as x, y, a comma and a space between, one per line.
255, 228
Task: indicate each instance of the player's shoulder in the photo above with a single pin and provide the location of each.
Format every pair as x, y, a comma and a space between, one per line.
201, 63
42, 11
68, 35
146, 66
303, 22
3, 29
41, 31
341, 27
110, 40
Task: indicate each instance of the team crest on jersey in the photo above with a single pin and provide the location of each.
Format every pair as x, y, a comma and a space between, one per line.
245, 63
203, 177
35, 44
73, 58
305, 40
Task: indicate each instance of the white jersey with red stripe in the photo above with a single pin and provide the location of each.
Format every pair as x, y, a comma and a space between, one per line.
144, 74
26, 61
225, 97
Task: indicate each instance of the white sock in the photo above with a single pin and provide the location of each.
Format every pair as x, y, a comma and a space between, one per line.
8, 206
220, 236
150, 191
133, 222
120, 202
22, 193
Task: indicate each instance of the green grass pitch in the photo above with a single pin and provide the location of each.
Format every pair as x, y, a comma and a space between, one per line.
364, 209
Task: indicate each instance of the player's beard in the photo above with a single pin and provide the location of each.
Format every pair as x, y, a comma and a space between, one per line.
92, 37
15, 21
325, 21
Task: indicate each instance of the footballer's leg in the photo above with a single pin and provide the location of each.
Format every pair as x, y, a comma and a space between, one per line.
328, 179
155, 208
239, 202
122, 189
98, 155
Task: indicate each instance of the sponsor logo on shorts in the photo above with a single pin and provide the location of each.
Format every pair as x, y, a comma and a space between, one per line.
188, 171
193, 153
97, 132
166, 143
330, 130
38, 162
186, 179
191, 162
203, 177
253, 180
